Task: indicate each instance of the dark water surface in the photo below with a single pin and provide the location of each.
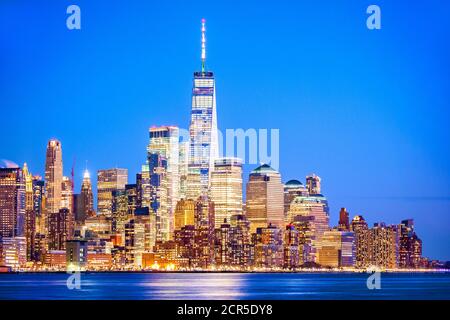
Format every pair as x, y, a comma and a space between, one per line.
95, 286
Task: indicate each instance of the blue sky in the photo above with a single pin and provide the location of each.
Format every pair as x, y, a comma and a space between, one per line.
366, 110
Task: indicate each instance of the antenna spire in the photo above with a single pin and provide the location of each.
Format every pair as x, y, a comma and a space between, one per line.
203, 45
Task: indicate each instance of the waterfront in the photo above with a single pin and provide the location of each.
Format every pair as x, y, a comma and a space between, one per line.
208, 286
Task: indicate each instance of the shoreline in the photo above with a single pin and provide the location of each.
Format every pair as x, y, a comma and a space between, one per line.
440, 271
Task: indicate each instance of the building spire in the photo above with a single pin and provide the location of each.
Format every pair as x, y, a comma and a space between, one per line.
203, 45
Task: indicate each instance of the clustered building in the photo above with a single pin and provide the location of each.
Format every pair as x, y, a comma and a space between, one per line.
185, 210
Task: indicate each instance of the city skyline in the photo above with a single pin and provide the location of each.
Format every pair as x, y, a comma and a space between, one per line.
402, 210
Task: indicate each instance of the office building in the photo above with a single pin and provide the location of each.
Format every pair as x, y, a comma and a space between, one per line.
108, 181
204, 145
265, 198
226, 189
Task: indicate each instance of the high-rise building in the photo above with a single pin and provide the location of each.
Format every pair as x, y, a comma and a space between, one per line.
183, 168
292, 248
410, 251
12, 202
269, 247
240, 251
30, 215
264, 203
310, 216
292, 189
384, 246
221, 244
344, 223
226, 189
157, 165
336, 249
37, 248
165, 142
312, 207
53, 178
39, 203
204, 146
204, 226
193, 184
107, 181
363, 243
66, 193
86, 209
313, 184
67, 203
120, 214
59, 229
184, 213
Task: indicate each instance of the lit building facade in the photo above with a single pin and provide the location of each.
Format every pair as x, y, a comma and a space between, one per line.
268, 243
86, 208
410, 246
157, 165
265, 198
53, 177
164, 141
384, 246
12, 202
13, 252
204, 145
363, 242
336, 249
292, 189
313, 183
226, 189
184, 213
107, 181
344, 223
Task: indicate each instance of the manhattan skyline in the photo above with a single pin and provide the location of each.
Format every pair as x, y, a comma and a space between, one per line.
359, 137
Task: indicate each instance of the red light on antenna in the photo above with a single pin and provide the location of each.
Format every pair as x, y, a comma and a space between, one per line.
203, 20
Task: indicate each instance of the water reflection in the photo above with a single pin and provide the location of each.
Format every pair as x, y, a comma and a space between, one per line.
190, 286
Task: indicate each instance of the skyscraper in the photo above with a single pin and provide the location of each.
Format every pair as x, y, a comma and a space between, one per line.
157, 166
336, 249
53, 178
264, 203
344, 223
107, 181
12, 202
363, 242
292, 189
86, 198
204, 146
183, 168
226, 189
384, 245
184, 213
410, 251
313, 184
165, 142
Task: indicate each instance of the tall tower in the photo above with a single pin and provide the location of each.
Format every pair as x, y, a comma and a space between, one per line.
226, 189
265, 197
204, 146
109, 180
164, 141
86, 197
53, 177
12, 202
